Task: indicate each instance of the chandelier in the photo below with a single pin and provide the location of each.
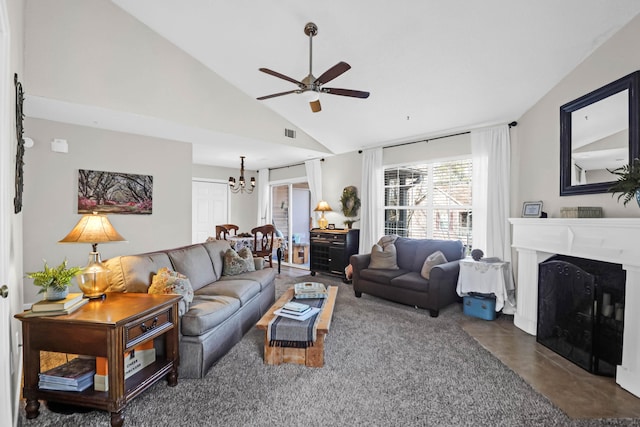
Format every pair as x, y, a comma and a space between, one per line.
240, 186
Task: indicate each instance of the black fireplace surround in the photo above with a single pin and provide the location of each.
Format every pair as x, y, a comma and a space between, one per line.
581, 311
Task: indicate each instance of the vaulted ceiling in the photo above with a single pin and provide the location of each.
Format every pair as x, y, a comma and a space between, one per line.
432, 66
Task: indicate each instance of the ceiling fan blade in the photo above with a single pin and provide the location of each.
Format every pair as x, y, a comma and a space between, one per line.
345, 92
276, 94
282, 76
333, 72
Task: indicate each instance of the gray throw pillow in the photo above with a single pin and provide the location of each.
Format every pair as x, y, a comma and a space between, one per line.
432, 260
234, 263
383, 258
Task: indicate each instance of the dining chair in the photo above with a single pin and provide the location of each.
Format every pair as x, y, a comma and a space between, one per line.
231, 228
221, 232
263, 240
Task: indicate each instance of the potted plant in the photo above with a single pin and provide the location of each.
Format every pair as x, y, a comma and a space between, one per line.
350, 205
628, 183
54, 282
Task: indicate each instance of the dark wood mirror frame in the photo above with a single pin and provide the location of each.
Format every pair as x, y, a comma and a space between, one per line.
630, 82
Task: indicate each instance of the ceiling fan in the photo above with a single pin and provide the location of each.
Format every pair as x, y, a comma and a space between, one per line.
312, 84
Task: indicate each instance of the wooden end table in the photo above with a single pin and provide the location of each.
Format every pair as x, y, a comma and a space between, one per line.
310, 356
107, 328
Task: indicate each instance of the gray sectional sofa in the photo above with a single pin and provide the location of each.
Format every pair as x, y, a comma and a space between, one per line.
223, 307
405, 285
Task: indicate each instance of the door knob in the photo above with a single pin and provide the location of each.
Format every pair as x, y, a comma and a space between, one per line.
4, 291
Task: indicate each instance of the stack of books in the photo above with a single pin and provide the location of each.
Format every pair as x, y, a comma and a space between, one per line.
135, 360
55, 308
296, 310
310, 290
75, 375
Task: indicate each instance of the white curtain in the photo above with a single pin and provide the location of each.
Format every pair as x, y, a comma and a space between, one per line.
491, 153
314, 178
263, 196
372, 214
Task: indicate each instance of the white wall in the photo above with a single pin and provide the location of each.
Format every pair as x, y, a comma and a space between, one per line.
91, 52
537, 166
50, 193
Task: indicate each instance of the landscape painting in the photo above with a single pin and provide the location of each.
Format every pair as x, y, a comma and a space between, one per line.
114, 192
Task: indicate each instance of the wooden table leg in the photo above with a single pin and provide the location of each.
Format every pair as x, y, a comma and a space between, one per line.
117, 419
32, 408
315, 354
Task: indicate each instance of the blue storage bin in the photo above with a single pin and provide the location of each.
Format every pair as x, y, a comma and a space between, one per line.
480, 306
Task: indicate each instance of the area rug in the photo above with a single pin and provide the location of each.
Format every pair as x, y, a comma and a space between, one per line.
386, 364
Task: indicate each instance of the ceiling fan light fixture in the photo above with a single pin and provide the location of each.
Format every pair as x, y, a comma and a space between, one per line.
315, 106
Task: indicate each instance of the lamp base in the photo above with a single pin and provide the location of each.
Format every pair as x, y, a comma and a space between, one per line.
323, 223
92, 280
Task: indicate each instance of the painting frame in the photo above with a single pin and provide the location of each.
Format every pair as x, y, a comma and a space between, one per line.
114, 193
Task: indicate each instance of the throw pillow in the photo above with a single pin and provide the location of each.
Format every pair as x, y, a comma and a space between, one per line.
236, 264
432, 260
383, 257
166, 281
246, 254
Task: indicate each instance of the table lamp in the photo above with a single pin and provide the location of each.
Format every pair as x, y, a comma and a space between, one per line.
323, 207
94, 229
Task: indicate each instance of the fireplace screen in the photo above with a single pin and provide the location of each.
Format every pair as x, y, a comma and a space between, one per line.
581, 311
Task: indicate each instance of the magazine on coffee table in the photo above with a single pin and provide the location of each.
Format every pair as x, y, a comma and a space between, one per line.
303, 316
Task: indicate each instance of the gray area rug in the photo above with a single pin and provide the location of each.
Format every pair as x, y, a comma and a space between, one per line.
386, 364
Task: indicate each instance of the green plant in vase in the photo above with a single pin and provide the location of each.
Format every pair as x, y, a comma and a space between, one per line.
54, 280
628, 183
350, 205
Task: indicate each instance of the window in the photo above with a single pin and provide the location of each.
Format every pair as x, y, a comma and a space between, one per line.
431, 200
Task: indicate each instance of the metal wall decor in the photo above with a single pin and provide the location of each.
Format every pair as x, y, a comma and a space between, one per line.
17, 200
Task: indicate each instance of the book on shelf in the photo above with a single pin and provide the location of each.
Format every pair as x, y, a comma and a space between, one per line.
135, 360
75, 375
304, 316
69, 310
47, 305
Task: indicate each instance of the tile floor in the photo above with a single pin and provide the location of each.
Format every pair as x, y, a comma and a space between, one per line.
577, 392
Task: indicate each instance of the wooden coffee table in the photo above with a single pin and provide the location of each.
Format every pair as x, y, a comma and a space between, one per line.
310, 356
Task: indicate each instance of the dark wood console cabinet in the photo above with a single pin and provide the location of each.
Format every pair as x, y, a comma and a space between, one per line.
331, 249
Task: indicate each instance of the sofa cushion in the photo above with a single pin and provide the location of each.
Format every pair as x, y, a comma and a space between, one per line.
241, 289
167, 281
432, 260
380, 276
216, 250
207, 312
411, 280
413, 252
383, 257
264, 277
195, 263
237, 262
133, 273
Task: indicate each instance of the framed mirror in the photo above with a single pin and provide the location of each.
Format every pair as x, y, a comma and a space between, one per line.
599, 131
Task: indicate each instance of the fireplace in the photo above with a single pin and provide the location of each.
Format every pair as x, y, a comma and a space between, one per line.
614, 240
581, 311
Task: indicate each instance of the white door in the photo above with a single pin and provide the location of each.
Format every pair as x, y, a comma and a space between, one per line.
10, 260
210, 207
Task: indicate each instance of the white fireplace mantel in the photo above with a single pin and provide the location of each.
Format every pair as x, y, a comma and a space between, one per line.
614, 240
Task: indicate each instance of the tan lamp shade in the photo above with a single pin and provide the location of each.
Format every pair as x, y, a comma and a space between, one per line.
93, 229
323, 207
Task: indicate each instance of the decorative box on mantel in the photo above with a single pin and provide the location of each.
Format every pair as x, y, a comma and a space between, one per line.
581, 212
605, 239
